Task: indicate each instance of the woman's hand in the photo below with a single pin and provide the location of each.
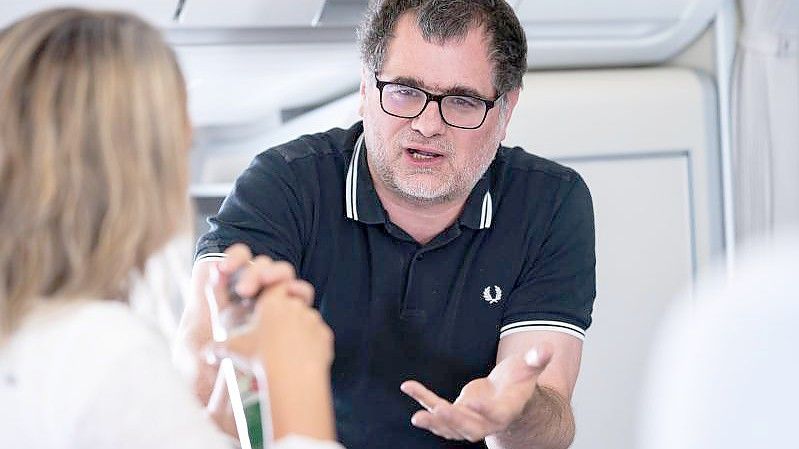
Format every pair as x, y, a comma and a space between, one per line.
290, 349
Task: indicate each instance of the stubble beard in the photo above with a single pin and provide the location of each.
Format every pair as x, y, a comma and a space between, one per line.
449, 184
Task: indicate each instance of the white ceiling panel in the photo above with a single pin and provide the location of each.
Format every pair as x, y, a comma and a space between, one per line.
250, 13
158, 12
580, 33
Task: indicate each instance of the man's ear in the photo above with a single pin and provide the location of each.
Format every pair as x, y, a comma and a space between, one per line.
364, 82
511, 99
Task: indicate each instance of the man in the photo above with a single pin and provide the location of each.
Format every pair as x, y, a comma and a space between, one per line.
451, 269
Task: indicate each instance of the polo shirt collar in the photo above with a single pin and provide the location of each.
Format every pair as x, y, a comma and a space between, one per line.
363, 204
479, 209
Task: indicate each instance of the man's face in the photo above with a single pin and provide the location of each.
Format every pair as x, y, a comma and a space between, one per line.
423, 159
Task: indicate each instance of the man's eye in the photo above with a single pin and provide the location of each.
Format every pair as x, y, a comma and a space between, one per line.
464, 102
406, 92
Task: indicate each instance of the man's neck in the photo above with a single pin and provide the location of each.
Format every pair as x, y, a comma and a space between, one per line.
421, 221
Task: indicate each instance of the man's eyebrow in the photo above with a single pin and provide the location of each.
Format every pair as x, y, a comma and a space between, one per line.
457, 89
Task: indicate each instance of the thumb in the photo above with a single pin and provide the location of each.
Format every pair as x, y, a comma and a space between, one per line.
521, 368
537, 359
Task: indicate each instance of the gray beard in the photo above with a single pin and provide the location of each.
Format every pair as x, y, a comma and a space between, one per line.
389, 180
459, 186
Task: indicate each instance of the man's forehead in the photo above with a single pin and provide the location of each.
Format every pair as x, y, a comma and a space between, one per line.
455, 66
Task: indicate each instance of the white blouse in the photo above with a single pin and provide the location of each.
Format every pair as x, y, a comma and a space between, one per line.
92, 374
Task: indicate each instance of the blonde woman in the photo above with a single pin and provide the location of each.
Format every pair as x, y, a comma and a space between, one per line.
94, 137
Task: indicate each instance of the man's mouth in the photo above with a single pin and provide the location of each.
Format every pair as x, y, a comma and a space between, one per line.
422, 154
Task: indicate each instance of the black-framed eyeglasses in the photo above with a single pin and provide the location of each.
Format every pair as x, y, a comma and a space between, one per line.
459, 111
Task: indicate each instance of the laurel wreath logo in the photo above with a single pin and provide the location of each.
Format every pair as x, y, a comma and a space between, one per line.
492, 297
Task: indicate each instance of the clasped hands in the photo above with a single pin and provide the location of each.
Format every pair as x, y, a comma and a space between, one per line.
281, 322
283, 318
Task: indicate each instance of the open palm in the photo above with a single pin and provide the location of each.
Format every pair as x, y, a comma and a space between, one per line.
486, 405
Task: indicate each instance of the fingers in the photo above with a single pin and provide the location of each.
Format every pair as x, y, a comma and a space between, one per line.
431, 402
236, 256
443, 418
253, 276
262, 272
421, 394
275, 322
485, 406
469, 424
301, 290
431, 422
243, 343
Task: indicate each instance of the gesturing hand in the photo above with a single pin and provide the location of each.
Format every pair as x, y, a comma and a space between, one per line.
485, 406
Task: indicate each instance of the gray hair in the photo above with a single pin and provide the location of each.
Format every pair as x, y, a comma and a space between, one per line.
443, 20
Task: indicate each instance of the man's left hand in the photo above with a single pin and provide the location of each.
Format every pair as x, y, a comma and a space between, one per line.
485, 406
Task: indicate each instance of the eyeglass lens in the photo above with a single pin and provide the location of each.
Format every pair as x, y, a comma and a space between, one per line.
456, 110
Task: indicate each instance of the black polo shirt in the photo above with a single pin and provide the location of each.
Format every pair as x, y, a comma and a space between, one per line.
519, 258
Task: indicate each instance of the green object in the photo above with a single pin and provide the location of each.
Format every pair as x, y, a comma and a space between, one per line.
253, 414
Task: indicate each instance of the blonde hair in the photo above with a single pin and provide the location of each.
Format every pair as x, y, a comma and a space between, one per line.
94, 136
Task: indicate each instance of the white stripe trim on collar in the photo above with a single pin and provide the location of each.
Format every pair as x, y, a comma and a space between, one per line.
487, 212
351, 185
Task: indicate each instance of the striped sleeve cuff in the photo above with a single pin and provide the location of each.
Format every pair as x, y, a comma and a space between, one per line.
209, 257
553, 326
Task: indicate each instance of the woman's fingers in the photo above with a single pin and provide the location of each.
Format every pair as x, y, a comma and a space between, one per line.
301, 290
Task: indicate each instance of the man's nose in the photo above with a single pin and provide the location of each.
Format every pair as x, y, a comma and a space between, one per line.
429, 123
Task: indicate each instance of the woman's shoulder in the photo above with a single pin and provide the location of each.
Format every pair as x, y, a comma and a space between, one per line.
90, 322
81, 334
